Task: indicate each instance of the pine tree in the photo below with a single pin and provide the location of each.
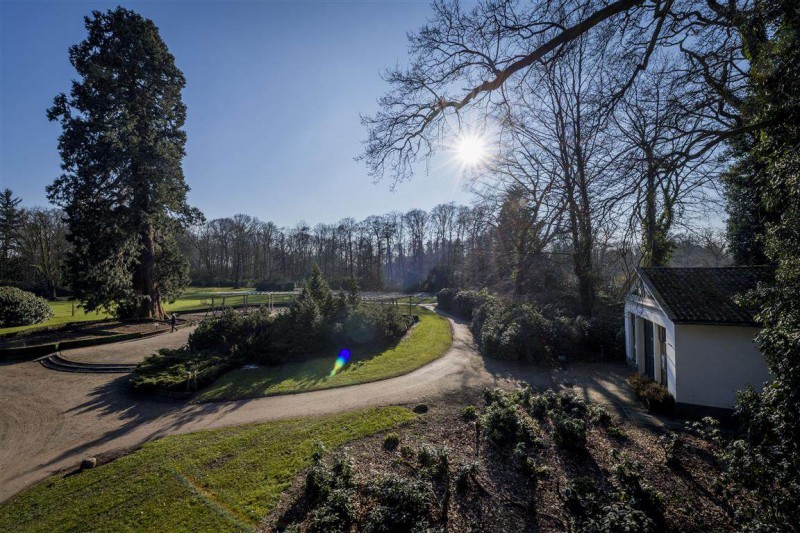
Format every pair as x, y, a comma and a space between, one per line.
10, 224
122, 187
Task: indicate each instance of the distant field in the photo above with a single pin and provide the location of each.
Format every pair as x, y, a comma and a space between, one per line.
428, 340
192, 298
219, 480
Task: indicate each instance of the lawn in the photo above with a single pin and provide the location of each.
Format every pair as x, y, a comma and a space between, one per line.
219, 480
192, 298
427, 340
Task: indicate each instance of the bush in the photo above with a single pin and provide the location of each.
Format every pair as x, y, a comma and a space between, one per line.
657, 398
505, 423
391, 442
402, 506
517, 332
22, 308
569, 433
169, 370
469, 413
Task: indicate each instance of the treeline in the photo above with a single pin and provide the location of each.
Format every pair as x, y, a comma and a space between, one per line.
33, 246
450, 245
485, 245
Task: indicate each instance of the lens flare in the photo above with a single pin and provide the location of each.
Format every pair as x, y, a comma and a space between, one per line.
344, 357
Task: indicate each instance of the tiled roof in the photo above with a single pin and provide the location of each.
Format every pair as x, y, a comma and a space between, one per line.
705, 295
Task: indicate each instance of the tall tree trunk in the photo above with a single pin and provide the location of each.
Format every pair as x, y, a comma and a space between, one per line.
144, 280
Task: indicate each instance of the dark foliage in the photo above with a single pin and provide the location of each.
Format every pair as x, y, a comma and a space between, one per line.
122, 189
657, 398
522, 331
316, 320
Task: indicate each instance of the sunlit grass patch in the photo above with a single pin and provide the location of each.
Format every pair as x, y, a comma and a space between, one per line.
427, 341
219, 480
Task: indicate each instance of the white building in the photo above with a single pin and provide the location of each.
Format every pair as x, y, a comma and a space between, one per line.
685, 329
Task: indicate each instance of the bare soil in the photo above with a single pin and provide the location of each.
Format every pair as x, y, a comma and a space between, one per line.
503, 498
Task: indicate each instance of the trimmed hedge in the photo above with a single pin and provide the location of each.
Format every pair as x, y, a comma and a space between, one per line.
22, 308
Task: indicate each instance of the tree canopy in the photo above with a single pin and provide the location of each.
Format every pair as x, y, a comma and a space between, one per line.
122, 187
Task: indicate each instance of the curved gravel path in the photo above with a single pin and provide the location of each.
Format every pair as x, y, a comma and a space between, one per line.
49, 420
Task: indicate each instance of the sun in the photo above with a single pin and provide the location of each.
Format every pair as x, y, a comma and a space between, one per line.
471, 149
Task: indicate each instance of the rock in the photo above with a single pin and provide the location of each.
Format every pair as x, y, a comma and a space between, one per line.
91, 462
420, 409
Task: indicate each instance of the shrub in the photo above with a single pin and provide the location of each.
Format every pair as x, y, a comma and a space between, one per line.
335, 515
517, 332
169, 370
391, 442
505, 423
569, 433
465, 473
672, 444
469, 413
657, 398
402, 506
22, 308
426, 456
642, 496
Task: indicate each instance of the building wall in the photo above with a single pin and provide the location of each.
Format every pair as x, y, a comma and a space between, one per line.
716, 361
647, 309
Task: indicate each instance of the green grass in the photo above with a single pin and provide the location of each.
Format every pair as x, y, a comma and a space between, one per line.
427, 340
192, 298
219, 480
63, 314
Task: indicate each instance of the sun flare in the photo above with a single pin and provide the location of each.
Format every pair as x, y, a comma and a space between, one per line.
471, 149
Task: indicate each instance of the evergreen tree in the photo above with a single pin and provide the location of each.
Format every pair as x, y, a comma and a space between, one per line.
766, 460
10, 224
122, 187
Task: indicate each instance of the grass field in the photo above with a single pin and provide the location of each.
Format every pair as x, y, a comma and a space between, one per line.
192, 298
427, 340
219, 480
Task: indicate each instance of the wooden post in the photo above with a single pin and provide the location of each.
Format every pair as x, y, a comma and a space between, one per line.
73, 308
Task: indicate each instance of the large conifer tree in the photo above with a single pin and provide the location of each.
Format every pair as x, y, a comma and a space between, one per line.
122, 186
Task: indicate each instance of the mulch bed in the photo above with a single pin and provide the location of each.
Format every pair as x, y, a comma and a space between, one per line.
505, 498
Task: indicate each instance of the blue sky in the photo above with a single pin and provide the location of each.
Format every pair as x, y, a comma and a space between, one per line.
274, 92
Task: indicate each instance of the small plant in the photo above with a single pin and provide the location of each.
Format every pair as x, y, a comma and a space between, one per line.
617, 432
402, 506
672, 444
569, 433
469, 413
543, 472
465, 473
628, 475
426, 456
391, 442
406, 452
